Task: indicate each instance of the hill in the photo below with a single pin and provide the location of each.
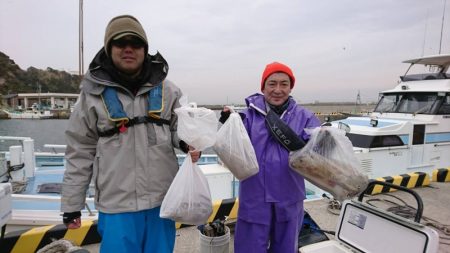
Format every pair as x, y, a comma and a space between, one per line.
15, 80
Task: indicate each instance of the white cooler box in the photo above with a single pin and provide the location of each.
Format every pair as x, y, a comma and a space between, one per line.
364, 228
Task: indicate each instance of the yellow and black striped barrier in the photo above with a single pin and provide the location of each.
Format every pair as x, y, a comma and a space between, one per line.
410, 180
33, 239
441, 175
221, 208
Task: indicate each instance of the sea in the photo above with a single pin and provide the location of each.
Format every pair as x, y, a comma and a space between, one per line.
48, 131
51, 131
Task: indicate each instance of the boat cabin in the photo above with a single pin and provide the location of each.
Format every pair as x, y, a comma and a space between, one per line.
409, 129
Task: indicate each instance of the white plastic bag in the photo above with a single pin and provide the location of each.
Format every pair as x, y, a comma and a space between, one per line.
197, 126
328, 161
188, 199
235, 149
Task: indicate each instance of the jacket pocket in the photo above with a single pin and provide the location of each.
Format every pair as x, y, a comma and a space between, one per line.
163, 166
158, 135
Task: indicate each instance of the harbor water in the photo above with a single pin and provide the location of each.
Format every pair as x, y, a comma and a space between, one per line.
51, 131
48, 131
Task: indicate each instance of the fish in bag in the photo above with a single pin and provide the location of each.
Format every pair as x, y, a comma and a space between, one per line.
328, 162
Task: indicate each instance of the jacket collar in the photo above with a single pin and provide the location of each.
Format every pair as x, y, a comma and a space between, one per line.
259, 101
99, 76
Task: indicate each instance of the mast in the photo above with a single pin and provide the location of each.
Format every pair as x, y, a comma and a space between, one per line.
39, 96
80, 42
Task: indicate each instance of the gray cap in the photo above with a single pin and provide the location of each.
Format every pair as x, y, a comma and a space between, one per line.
121, 26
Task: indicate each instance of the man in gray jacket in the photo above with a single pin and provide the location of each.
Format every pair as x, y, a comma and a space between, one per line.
121, 136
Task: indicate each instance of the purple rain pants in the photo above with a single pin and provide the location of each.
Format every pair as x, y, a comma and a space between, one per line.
278, 237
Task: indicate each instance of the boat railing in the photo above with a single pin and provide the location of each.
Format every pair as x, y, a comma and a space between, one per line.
32, 197
54, 147
16, 156
58, 151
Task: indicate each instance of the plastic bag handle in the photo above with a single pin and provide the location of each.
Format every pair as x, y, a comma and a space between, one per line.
398, 187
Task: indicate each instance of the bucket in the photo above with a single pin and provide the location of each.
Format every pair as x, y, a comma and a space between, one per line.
218, 244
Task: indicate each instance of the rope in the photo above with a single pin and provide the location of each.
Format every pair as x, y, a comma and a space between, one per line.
19, 186
60, 246
334, 206
406, 211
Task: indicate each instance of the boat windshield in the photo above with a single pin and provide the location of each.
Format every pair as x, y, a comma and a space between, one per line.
388, 103
367, 141
416, 103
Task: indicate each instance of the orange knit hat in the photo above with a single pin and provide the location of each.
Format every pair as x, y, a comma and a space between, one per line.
275, 67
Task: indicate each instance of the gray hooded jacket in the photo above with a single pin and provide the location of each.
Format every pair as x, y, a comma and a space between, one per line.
131, 171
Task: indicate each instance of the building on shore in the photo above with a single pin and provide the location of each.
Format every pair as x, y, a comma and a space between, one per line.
49, 101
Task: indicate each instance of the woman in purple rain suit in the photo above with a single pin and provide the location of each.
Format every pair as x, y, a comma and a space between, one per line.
271, 202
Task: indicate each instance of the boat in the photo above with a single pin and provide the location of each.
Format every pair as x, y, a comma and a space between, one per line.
29, 114
41, 173
409, 129
404, 142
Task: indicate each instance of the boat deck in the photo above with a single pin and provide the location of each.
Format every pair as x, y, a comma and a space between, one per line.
435, 197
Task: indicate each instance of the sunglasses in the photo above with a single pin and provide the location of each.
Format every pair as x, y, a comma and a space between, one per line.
134, 43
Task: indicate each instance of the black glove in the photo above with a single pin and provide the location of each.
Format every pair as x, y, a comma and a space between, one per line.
224, 115
184, 146
69, 217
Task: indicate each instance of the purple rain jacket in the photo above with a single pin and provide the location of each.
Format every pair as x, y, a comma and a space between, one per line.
275, 181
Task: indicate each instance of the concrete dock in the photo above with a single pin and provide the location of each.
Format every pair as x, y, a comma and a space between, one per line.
435, 197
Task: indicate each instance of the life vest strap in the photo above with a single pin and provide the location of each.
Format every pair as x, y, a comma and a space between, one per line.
132, 122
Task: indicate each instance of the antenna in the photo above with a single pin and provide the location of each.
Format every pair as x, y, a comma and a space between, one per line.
425, 33
442, 25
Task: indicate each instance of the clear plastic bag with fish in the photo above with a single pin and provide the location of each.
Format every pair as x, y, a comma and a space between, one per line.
234, 148
328, 162
197, 126
188, 199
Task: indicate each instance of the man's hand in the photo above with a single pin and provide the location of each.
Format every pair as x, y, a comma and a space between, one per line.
72, 220
195, 155
224, 114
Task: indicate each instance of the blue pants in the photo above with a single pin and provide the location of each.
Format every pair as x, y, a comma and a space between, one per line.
136, 232
278, 237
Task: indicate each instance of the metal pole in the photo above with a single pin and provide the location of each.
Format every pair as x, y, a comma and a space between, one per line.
442, 26
80, 30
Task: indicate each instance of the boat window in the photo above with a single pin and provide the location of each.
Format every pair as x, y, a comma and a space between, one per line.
445, 106
417, 103
427, 76
366, 141
388, 103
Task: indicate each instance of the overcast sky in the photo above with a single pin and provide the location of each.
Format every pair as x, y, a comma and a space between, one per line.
217, 50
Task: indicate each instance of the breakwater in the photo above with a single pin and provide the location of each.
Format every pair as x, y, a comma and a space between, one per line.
333, 111
322, 110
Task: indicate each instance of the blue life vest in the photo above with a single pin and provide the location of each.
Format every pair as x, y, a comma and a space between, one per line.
116, 113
